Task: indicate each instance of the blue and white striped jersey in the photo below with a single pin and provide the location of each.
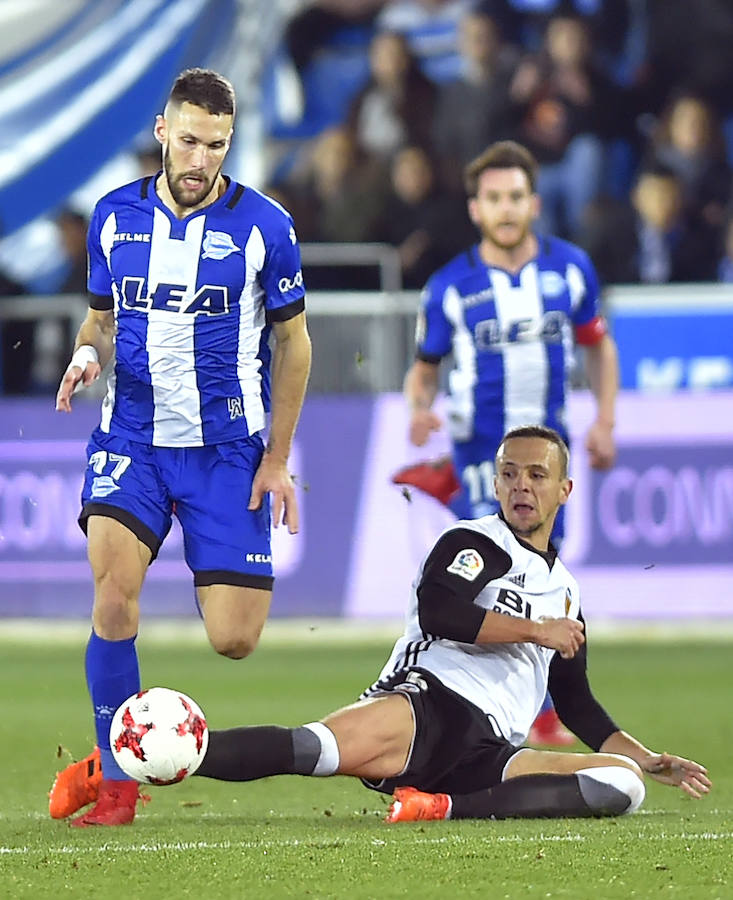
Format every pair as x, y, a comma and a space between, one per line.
511, 336
193, 300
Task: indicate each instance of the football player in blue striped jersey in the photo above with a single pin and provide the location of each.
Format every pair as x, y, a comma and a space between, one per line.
189, 274
510, 310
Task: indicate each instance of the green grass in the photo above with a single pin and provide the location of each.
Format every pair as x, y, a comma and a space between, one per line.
298, 837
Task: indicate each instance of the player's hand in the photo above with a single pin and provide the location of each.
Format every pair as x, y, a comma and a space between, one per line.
273, 477
74, 378
564, 635
422, 423
685, 774
600, 445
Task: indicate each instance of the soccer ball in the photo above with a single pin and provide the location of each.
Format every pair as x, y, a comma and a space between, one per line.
159, 736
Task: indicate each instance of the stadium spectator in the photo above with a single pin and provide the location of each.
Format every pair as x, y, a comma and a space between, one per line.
396, 106
419, 219
649, 239
565, 107
690, 45
483, 88
430, 28
339, 189
181, 423
689, 141
443, 725
669, 246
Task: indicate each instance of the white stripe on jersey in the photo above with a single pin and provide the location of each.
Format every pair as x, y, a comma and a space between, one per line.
106, 240
170, 336
576, 285
462, 379
251, 321
525, 361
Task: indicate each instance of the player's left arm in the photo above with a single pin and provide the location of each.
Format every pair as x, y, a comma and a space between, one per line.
601, 359
666, 768
290, 369
585, 716
601, 369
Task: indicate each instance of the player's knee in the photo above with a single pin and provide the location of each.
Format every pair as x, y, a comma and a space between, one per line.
115, 609
611, 790
234, 646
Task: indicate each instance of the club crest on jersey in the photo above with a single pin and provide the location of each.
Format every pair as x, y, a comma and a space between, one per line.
217, 245
103, 486
468, 564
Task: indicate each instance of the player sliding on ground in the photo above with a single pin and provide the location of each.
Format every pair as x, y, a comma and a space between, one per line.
494, 617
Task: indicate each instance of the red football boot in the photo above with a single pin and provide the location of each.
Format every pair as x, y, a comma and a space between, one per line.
436, 478
549, 731
115, 805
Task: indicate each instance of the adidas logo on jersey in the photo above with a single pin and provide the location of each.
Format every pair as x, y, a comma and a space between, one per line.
516, 579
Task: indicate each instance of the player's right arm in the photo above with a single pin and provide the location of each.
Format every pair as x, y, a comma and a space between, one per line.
433, 334
458, 568
420, 389
93, 349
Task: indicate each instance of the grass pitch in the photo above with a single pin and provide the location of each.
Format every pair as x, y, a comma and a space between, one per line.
324, 838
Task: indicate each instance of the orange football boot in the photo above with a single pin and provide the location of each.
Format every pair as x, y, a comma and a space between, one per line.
75, 786
410, 805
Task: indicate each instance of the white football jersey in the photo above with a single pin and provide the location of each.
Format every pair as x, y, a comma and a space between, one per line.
507, 681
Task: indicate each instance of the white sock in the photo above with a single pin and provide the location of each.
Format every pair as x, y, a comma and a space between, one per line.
329, 759
604, 788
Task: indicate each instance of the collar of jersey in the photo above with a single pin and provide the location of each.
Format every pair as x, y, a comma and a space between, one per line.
153, 193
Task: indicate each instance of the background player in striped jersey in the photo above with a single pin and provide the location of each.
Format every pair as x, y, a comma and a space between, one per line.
493, 618
509, 310
189, 272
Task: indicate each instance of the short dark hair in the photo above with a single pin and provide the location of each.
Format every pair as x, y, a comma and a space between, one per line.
501, 155
204, 88
547, 434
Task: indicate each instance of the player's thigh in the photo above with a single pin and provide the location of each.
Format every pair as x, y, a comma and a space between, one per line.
549, 762
225, 543
374, 736
234, 616
119, 562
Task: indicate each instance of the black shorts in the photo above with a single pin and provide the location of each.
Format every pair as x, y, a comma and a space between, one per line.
456, 750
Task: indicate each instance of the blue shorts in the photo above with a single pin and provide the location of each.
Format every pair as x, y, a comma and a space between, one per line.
474, 465
208, 489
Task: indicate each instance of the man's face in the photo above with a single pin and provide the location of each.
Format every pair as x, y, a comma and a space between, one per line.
504, 207
195, 143
530, 485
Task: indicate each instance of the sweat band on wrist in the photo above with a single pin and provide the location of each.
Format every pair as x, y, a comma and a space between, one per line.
83, 355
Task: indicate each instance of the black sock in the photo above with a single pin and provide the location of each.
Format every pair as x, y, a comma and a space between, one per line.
243, 754
526, 797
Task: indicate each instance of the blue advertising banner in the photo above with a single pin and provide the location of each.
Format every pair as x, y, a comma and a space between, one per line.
675, 337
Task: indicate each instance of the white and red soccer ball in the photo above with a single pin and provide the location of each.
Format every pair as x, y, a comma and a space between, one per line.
159, 736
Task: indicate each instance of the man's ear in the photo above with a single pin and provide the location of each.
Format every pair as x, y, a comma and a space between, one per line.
536, 206
473, 211
565, 490
160, 130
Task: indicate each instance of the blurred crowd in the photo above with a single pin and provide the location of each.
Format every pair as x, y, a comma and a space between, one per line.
625, 103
